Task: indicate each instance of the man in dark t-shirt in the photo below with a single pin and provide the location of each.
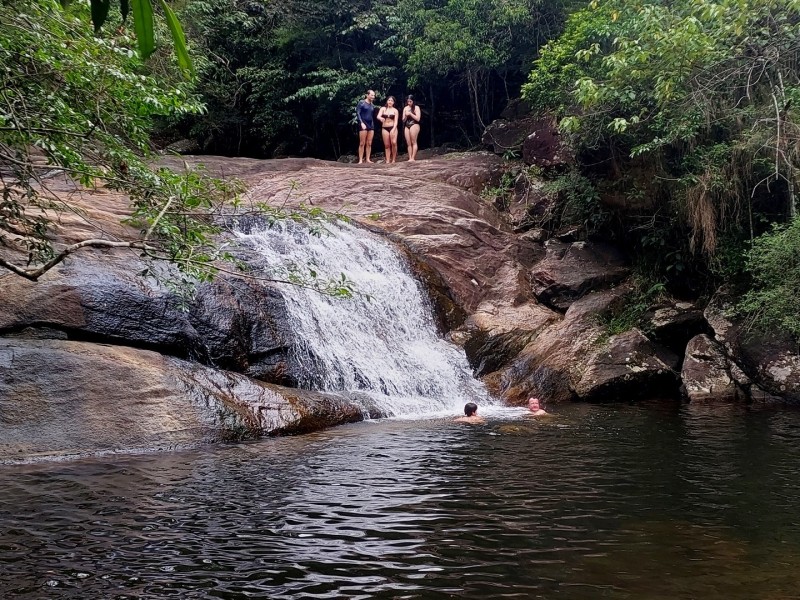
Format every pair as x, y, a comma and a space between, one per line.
366, 128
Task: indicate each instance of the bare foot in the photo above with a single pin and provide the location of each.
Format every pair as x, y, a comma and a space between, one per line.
370, 162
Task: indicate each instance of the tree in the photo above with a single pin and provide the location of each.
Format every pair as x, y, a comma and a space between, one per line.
692, 103
142, 16
82, 105
481, 43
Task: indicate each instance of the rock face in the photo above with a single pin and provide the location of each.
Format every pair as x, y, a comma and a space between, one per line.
629, 366
62, 398
708, 375
233, 323
572, 358
772, 361
432, 208
94, 358
536, 139
569, 271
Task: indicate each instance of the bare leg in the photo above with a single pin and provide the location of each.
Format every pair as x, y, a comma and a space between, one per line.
370, 135
413, 147
393, 141
387, 144
362, 143
407, 133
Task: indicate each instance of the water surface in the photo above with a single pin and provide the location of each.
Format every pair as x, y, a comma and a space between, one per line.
652, 501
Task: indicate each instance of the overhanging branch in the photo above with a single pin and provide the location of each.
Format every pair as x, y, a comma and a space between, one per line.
35, 273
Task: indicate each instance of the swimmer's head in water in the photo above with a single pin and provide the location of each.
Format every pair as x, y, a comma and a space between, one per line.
470, 408
533, 404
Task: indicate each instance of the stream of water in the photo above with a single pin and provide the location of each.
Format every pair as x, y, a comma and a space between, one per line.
381, 343
658, 501
652, 501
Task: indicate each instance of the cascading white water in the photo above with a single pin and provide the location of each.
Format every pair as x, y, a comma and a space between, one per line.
381, 343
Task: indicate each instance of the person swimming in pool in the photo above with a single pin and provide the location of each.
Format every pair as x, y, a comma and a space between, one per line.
470, 414
535, 407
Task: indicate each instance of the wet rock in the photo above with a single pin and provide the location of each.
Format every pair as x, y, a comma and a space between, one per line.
673, 323
494, 335
552, 364
629, 366
243, 326
771, 360
708, 375
569, 271
99, 296
233, 323
63, 398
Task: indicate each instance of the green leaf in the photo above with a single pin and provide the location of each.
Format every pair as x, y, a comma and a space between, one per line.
99, 13
124, 9
143, 25
178, 39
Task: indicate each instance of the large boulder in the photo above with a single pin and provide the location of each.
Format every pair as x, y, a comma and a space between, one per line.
673, 323
61, 398
233, 323
543, 146
569, 271
493, 335
708, 375
770, 360
552, 364
536, 139
627, 367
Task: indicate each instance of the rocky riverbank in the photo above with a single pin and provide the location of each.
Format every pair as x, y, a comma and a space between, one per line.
95, 358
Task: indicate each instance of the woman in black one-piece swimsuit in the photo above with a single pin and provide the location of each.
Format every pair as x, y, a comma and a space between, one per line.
411, 117
389, 116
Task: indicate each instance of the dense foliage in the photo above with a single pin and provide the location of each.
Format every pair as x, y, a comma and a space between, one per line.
688, 111
75, 103
285, 77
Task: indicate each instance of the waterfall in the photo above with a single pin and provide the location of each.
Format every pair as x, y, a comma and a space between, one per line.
381, 345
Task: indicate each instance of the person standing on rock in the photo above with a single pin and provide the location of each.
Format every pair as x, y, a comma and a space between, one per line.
411, 117
366, 127
389, 117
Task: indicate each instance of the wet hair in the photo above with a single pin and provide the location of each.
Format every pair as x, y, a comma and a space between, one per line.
470, 408
390, 98
410, 97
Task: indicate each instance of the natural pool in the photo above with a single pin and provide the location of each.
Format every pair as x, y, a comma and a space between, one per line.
659, 500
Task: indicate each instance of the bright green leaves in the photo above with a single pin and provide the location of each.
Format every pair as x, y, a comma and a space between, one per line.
178, 39
142, 12
144, 26
77, 101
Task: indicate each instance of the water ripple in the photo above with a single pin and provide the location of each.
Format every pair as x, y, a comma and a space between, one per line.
617, 502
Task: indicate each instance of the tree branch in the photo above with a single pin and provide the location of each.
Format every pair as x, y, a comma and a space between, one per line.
34, 274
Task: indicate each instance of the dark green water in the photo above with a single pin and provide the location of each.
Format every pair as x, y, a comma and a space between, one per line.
652, 501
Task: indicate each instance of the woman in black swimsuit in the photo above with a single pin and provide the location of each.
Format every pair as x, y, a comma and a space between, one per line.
389, 117
411, 117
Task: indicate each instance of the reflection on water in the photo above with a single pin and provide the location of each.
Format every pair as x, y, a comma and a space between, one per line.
656, 501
